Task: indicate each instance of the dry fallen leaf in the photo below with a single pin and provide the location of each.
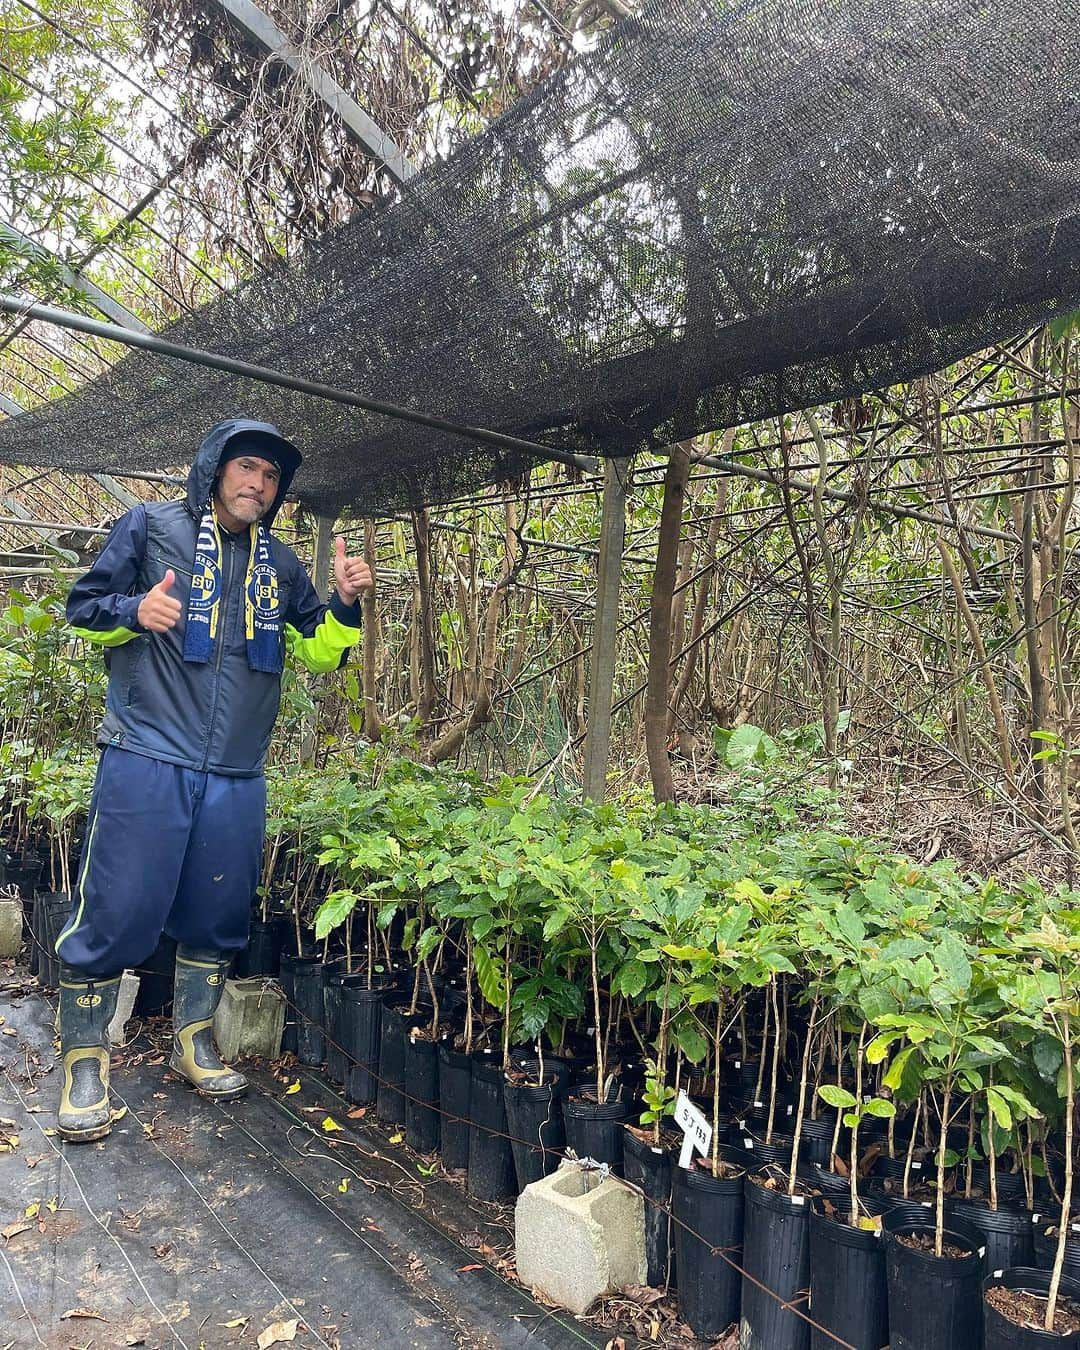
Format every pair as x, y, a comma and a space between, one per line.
278, 1331
236, 1322
357, 1113
8, 1031
38, 1157
82, 1312
14, 1229
463, 1269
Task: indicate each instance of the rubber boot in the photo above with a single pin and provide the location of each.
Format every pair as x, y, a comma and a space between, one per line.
200, 978
86, 1009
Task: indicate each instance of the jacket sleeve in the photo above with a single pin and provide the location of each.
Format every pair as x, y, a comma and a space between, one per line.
319, 635
101, 606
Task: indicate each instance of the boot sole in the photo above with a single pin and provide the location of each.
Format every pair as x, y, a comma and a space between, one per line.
84, 1136
231, 1096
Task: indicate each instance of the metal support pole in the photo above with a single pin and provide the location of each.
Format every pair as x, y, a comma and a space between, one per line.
320, 555
605, 627
79, 323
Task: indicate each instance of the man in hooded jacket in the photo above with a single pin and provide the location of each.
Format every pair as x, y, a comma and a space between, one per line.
195, 604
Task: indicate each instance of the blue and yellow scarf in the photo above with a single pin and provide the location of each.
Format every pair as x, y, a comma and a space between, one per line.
262, 616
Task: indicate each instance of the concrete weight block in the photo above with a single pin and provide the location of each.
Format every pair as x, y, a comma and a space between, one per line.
250, 1019
11, 925
125, 1002
578, 1237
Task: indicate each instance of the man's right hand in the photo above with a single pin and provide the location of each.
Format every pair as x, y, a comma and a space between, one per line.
158, 610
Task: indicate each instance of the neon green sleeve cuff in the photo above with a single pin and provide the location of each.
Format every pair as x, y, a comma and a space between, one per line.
112, 637
321, 652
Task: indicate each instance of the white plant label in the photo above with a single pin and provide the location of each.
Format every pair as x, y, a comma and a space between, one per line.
697, 1132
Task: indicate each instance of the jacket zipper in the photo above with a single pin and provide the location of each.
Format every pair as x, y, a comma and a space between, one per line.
220, 654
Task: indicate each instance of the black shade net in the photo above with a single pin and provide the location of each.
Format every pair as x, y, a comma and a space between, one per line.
723, 212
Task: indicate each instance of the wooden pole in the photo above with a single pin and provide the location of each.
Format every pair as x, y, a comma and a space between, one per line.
320, 555
605, 628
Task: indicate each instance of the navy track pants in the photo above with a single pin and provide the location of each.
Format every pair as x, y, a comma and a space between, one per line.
167, 849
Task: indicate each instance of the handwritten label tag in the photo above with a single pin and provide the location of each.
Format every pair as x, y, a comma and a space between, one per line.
697, 1132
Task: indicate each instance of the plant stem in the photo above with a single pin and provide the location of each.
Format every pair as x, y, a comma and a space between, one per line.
1066, 1199
804, 1074
853, 1156
775, 1061
939, 1208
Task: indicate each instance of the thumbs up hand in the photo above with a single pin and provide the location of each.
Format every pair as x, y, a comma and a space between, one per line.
351, 575
158, 610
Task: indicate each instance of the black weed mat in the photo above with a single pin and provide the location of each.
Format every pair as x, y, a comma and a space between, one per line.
199, 1225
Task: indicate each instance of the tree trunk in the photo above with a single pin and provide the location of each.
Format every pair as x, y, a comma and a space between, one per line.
371, 640
424, 616
659, 678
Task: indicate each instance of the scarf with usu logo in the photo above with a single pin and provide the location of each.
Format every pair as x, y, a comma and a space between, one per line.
262, 617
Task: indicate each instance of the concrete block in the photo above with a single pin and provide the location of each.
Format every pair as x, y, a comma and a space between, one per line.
11, 925
125, 1003
577, 1237
250, 1019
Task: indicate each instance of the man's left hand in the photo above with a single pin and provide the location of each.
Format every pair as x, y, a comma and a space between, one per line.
351, 575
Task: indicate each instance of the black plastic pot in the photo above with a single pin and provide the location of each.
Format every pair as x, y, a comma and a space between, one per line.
307, 981
535, 1123
595, 1130
1010, 1185
37, 940
648, 1166
776, 1254
708, 1213
1000, 1333
262, 955
935, 1302
892, 1169
1006, 1232
848, 1291
455, 1095
815, 1141
821, 1179
290, 964
54, 913
778, 1153
157, 976
390, 1092
334, 976
491, 1161
421, 1094
1044, 1244
361, 1027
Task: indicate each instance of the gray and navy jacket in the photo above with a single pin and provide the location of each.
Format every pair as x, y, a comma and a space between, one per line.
216, 716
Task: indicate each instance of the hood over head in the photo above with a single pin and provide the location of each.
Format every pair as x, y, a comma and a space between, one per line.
204, 469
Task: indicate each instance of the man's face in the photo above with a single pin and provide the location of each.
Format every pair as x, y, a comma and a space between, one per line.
246, 488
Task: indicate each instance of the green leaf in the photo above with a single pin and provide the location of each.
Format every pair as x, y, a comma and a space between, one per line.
953, 964
999, 1107
333, 911
691, 1042
834, 1095
895, 1074
878, 1106
489, 977
632, 979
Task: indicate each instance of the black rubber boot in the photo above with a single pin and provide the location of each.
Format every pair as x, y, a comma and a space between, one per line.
200, 978
86, 1009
